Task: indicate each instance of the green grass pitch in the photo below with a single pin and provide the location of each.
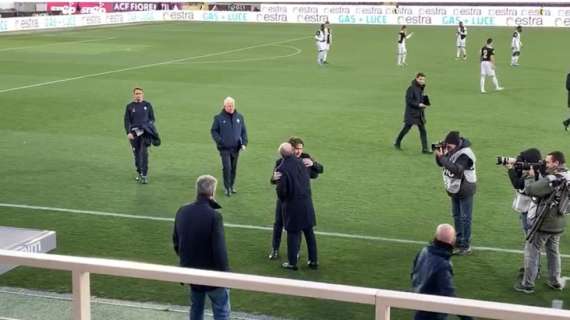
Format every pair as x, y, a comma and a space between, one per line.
63, 145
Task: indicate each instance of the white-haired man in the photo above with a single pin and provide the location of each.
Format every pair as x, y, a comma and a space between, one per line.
230, 134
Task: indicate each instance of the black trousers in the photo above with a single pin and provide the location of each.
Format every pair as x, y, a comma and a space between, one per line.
229, 166
406, 128
140, 152
277, 226
294, 244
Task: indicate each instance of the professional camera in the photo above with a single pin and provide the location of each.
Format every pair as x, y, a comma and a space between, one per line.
539, 166
437, 145
501, 160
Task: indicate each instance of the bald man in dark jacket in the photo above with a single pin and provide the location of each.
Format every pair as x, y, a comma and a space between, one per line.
294, 192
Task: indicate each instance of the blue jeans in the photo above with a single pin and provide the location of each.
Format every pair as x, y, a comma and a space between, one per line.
220, 298
462, 210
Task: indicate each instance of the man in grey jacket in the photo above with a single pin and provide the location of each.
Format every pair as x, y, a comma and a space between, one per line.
459, 177
548, 224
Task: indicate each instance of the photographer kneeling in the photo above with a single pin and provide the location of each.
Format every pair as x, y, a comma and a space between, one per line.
457, 159
551, 196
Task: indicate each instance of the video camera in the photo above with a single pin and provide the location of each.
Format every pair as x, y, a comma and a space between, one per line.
539, 166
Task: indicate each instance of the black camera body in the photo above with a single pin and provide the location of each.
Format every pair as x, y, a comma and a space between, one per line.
437, 145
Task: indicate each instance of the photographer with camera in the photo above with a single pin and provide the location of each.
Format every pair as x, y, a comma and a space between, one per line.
457, 160
550, 192
518, 170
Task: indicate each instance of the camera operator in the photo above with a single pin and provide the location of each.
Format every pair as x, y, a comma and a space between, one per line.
457, 160
548, 224
518, 173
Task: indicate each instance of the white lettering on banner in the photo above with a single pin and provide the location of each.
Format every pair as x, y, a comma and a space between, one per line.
313, 14
271, 17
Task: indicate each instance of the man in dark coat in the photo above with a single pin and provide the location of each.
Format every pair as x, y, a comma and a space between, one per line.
229, 132
567, 121
313, 168
198, 240
416, 102
294, 192
432, 272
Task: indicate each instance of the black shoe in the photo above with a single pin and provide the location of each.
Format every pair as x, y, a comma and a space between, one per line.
313, 265
555, 285
274, 254
397, 146
227, 192
462, 251
566, 123
526, 289
288, 266
233, 190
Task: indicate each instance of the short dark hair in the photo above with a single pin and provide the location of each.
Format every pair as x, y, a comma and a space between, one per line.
420, 74
558, 156
294, 141
137, 88
490, 40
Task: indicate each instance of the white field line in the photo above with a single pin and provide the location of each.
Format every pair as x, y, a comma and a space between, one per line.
149, 65
245, 226
297, 52
112, 302
4, 318
57, 43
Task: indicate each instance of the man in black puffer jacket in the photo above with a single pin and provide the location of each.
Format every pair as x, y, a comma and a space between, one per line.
229, 132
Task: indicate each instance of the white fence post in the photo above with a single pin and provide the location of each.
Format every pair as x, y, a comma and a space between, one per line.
81, 295
382, 309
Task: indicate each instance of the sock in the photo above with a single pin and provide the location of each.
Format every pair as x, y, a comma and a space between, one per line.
399, 59
496, 82
404, 58
458, 52
513, 59
464, 52
325, 54
482, 83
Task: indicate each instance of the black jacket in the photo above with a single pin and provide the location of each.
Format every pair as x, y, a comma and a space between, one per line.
294, 192
229, 131
414, 114
568, 88
138, 114
457, 168
313, 170
432, 273
198, 237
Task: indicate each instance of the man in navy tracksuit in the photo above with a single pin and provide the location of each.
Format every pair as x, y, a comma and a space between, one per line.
139, 126
229, 132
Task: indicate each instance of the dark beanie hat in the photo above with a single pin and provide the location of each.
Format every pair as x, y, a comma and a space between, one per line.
453, 138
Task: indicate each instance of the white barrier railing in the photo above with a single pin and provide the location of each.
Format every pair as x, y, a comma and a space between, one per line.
383, 300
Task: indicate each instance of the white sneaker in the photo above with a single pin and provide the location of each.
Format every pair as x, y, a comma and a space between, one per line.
500, 88
483, 91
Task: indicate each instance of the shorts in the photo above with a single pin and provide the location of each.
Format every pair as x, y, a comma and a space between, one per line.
487, 69
402, 48
461, 43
